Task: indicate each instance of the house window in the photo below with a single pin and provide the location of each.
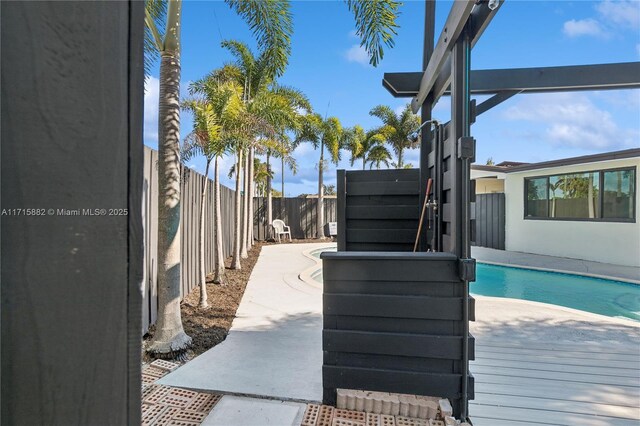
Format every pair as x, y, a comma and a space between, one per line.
605, 195
619, 194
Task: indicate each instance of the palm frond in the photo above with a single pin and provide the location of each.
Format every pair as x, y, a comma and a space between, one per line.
156, 10
243, 55
272, 24
375, 25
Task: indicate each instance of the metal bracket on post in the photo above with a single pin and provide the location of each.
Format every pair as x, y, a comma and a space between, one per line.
473, 111
467, 269
467, 148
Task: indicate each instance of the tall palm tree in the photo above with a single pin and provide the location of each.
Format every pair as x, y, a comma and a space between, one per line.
323, 134
368, 147
379, 154
215, 121
271, 23
396, 129
275, 106
280, 146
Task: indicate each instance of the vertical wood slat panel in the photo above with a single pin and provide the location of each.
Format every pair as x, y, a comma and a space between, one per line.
294, 210
490, 220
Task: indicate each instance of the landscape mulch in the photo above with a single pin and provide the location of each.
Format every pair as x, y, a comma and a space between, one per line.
210, 326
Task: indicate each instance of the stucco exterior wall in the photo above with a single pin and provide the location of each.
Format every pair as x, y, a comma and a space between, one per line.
609, 242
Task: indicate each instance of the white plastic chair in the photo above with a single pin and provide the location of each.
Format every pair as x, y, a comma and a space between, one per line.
280, 228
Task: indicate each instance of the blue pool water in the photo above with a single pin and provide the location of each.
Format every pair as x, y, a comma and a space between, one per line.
596, 295
600, 296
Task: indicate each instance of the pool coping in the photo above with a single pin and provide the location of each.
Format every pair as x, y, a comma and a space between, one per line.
562, 271
307, 277
600, 317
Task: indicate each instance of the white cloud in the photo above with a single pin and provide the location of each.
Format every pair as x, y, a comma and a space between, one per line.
583, 27
625, 13
571, 120
152, 91
612, 17
357, 53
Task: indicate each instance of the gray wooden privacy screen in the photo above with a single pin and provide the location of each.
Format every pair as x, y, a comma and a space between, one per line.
378, 210
393, 319
72, 113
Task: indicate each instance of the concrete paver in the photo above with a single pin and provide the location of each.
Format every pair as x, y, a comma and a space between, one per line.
243, 411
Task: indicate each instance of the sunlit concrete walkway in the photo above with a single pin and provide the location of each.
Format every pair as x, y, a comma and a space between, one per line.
535, 363
274, 347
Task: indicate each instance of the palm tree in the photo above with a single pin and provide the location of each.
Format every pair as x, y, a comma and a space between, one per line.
279, 147
379, 154
274, 106
170, 338
323, 133
397, 129
271, 23
368, 147
215, 120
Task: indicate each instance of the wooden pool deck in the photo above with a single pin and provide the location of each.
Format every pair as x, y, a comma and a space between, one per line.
555, 384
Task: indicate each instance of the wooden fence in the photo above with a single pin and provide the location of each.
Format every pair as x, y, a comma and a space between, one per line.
190, 218
298, 213
490, 221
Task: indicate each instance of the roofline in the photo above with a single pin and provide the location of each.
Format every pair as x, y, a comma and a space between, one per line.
593, 158
489, 168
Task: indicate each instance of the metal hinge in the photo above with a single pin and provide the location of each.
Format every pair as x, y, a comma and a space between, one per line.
467, 269
466, 148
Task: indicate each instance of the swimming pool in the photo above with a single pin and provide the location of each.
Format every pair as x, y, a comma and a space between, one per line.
596, 295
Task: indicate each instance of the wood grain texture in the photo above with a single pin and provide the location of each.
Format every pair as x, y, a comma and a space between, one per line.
71, 139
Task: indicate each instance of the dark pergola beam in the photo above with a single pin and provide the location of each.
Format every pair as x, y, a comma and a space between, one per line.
457, 19
625, 75
495, 100
437, 75
407, 84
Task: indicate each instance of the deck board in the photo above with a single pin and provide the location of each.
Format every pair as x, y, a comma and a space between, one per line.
555, 384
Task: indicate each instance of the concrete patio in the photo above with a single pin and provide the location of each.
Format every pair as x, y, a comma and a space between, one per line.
535, 363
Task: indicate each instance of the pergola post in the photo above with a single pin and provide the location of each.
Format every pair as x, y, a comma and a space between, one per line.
426, 136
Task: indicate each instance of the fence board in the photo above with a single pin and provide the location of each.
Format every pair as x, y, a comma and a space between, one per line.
298, 213
191, 190
490, 220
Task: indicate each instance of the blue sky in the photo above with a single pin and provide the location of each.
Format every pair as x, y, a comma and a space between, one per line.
329, 66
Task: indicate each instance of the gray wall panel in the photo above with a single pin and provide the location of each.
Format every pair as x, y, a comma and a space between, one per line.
72, 99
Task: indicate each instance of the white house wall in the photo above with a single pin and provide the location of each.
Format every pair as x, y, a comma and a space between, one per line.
609, 242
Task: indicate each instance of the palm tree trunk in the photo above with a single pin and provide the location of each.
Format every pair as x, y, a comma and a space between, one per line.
400, 159
169, 338
320, 211
235, 262
251, 194
364, 163
202, 272
283, 176
269, 202
218, 264
245, 207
